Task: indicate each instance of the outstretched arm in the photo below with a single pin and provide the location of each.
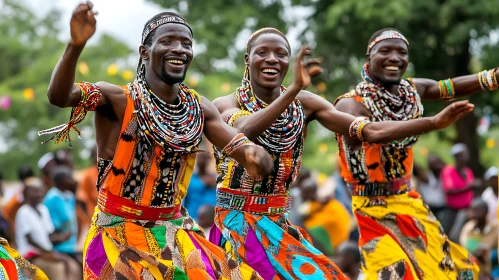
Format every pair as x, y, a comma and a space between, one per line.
460, 86
255, 159
255, 124
385, 131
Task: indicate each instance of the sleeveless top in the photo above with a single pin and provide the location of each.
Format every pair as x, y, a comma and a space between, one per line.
374, 163
286, 167
148, 175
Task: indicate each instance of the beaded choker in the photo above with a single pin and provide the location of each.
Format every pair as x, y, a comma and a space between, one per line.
382, 105
282, 135
177, 128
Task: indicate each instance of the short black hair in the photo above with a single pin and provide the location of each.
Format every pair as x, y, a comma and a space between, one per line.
480, 203
24, 172
254, 36
60, 173
379, 32
148, 40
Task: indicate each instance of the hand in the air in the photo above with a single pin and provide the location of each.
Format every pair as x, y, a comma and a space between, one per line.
82, 24
305, 70
452, 113
258, 161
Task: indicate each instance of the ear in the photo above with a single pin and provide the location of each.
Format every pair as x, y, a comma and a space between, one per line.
144, 52
246, 58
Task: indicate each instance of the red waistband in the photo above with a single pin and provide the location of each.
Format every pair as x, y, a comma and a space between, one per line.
125, 208
252, 203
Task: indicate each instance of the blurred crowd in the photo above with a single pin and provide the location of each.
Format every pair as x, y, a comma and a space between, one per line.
46, 216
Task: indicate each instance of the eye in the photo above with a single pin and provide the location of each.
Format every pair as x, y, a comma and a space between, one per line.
165, 41
260, 52
187, 43
282, 53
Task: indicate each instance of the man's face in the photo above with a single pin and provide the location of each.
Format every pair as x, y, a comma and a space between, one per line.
170, 53
34, 195
69, 184
388, 61
268, 60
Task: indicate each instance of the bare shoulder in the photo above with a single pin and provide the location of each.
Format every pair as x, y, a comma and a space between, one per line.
226, 102
109, 89
350, 106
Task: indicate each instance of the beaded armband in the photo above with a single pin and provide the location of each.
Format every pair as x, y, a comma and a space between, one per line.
356, 127
90, 96
446, 88
488, 80
235, 116
237, 142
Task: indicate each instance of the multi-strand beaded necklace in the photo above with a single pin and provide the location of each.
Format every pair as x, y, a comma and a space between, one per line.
176, 127
382, 105
286, 130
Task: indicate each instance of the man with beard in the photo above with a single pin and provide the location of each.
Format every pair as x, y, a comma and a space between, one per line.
391, 218
147, 136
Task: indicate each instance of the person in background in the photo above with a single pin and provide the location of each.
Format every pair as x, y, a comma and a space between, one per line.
327, 222
206, 217
36, 237
46, 163
479, 235
61, 204
16, 201
490, 193
203, 186
294, 215
87, 185
348, 259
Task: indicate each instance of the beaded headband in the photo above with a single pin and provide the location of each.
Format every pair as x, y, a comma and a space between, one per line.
389, 34
157, 22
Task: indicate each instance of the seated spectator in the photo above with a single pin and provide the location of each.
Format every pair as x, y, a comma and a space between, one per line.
61, 204
35, 235
294, 215
479, 235
348, 259
16, 201
328, 222
206, 217
490, 193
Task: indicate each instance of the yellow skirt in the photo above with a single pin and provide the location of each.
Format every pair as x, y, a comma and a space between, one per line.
401, 239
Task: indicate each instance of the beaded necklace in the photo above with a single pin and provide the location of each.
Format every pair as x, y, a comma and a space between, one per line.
175, 127
382, 105
286, 130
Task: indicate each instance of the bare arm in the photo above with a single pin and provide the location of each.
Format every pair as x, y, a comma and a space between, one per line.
255, 124
464, 85
379, 132
255, 160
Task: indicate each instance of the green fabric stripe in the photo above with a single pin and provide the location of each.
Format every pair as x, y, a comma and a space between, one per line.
160, 235
321, 236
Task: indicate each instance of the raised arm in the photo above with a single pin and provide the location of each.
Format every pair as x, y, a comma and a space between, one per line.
379, 132
255, 124
255, 159
456, 87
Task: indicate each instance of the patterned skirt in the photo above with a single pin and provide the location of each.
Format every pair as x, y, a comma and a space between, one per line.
15, 267
401, 239
272, 246
117, 248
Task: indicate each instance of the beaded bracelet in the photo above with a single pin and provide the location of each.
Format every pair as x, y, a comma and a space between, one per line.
488, 79
446, 88
356, 127
235, 116
237, 142
90, 96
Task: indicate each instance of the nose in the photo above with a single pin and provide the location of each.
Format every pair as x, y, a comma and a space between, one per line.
271, 58
178, 48
394, 57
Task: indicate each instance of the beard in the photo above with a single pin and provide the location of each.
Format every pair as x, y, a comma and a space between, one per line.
169, 78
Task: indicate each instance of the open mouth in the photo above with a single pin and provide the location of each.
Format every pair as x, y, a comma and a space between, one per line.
271, 72
392, 68
175, 61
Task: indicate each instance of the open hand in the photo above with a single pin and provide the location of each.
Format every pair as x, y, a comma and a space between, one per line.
82, 25
258, 161
452, 113
304, 70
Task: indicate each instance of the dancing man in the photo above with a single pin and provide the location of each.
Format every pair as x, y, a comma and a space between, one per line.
250, 212
391, 218
147, 136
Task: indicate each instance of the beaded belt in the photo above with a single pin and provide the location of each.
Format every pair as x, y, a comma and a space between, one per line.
397, 186
252, 203
125, 208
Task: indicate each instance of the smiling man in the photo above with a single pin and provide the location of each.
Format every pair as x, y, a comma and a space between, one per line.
148, 134
400, 237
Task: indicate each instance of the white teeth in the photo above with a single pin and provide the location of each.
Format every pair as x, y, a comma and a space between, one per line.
391, 68
273, 71
174, 61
